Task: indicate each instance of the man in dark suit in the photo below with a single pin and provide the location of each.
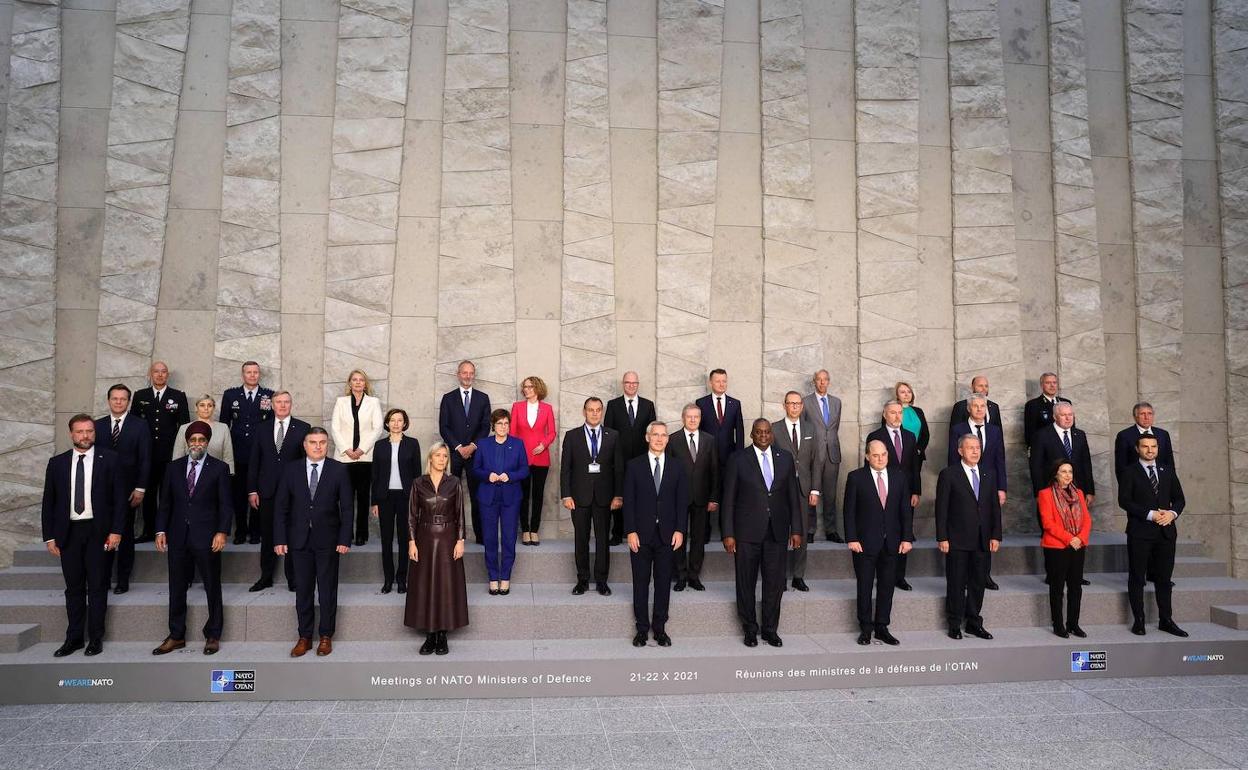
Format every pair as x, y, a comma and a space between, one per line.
1038, 412
763, 516
591, 485
721, 417
84, 507
907, 461
1124, 442
1062, 441
1152, 496
968, 528
192, 524
628, 415
656, 514
165, 410
879, 528
796, 435
824, 412
961, 410
312, 517
278, 445
463, 419
696, 450
128, 438
247, 409
991, 455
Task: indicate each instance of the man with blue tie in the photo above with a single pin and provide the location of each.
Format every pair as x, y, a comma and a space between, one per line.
823, 410
656, 514
463, 419
127, 435
968, 528
246, 408
1062, 441
591, 485
278, 445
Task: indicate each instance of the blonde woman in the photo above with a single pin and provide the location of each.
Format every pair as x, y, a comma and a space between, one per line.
220, 446
437, 596
356, 425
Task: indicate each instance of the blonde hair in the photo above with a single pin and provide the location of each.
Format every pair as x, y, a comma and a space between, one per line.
368, 384
203, 398
429, 455
897, 392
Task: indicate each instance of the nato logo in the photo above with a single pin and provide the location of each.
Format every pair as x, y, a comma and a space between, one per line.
1088, 661
233, 681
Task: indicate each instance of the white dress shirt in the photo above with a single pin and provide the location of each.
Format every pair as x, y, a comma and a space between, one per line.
598, 429
759, 454
967, 470
662, 462
982, 435
881, 474
88, 467
530, 410
320, 469
1151, 514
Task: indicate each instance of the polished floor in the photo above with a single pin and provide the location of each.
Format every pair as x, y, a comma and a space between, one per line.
1162, 723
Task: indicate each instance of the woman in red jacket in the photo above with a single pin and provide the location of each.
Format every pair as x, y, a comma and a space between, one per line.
533, 422
1065, 524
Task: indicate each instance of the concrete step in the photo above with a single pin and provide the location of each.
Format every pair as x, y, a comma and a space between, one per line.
15, 637
1230, 615
550, 611
552, 562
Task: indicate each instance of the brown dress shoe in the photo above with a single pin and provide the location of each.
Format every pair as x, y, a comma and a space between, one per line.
325, 647
212, 646
169, 645
301, 647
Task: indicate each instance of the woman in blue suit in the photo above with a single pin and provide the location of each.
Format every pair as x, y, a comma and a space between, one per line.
500, 465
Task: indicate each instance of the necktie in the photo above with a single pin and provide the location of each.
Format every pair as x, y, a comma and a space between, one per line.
975, 482
116, 430
767, 470
693, 448
593, 444
281, 435
632, 416
879, 488
719, 408
1152, 477
897, 443
979, 433
250, 395
1066, 443
795, 446
827, 418
80, 487
658, 477
190, 479
312, 482
467, 399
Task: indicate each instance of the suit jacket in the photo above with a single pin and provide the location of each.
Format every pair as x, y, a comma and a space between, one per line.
246, 419
1124, 448
459, 429
509, 458
748, 507
1136, 497
1053, 533
264, 468
163, 419
962, 413
409, 465
643, 508
993, 455
319, 523
575, 480
1046, 449
541, 432
909, 460
110, 502
632, 437
729, 435
808, 459
191, 521
1037, 413
828, 435
704, 472
968, 524
220, 446
871, 524
133, 449
342, 427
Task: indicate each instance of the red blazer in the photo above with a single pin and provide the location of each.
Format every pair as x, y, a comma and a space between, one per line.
1053, 533
541, 433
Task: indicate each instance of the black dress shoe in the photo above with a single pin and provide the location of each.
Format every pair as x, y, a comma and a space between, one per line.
386, 588
773, 640
884, 636
902, 585
979, 631
253, 540
680, 585
1074, 630
442, 647
1086, 582
360, 541
696, 584
290, 587
662, 639
69, 648
431, 644
604, 589
1170, 628
835, 537
1137, 627
580, 587
750, 639
955, 633
1061, 631
800, 584
615, 540
401, 585
94, 647
121, 588
991, 585
239, 540
260, 585
864, 638
639, 639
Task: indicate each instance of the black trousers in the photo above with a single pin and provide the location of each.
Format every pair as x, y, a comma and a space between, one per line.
392, 510
316, 575
965, 575
599, 518
246, 519
532, 491
1063, 568
463, 469
652, 559
123, 557
361, 475
208, 565
86, 581
693, 549
268, 559
876, 570
1150, 560
151, 495
771, 558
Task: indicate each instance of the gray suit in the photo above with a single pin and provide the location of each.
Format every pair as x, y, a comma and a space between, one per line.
829, 439
809, 461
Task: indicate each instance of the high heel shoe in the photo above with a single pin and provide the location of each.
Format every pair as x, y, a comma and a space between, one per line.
431, 643
534, 540
441, 648
524, 538
504, 587
493, 588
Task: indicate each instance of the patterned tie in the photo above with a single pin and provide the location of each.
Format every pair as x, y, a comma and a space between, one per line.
80, 486
658, 477
281, 435
693, 448
719, 408
897, 443
190, 478
632, 416
116, 430
975, 482
1066, 444
879, 488
1152, 477
312, 482
467, 399
767, 477
827, 418
979, 434
795, 446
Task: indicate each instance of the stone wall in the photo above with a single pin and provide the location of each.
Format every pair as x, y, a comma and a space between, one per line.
890, 189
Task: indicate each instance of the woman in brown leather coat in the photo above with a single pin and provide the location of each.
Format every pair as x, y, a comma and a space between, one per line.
437, 596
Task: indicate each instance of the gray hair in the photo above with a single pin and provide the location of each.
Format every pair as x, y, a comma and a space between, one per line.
655, 424
976, 397
1048, 374
1064, 405
965, 437
684, 409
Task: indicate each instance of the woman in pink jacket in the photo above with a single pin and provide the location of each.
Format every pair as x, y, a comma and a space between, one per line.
533, 422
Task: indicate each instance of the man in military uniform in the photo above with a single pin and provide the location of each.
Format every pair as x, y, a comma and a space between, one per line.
164, 409
246, 408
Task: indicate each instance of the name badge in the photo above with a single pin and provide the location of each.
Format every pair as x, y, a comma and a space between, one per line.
595, 468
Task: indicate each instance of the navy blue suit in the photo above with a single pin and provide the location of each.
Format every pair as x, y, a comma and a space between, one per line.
500, 501
312, 528
1124, 448
190, 521
993, 455
968, 523
730, 433
133, 448
460, 428
1150, 546
83, 561
164, 419
264, 471
247, 421
880, 530
654, 517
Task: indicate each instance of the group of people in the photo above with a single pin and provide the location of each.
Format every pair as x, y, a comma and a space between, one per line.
270, 477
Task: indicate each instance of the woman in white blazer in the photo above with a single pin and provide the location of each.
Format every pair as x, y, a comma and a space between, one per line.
356, 425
